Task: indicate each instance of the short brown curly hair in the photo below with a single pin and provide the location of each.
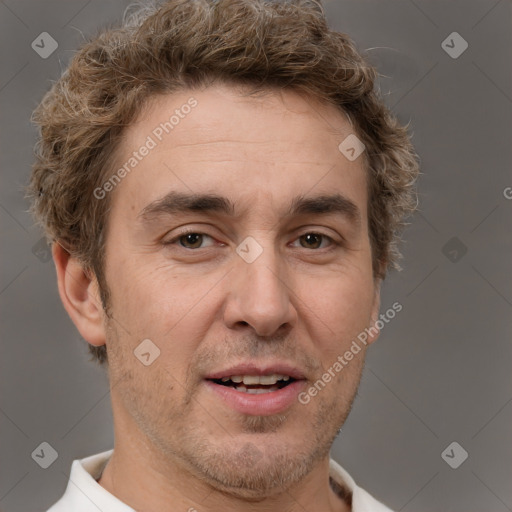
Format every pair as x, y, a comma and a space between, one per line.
183, 44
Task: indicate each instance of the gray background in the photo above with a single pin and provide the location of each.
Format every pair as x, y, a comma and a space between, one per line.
441, 369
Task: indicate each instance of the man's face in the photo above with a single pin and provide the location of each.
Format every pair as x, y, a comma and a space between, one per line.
254, 291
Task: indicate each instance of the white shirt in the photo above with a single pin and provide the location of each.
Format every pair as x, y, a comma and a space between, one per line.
84, 494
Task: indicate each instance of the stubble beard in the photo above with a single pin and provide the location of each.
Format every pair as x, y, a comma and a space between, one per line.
240, 468
254, 469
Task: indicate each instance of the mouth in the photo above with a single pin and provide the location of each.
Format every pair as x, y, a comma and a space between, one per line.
255, 384
255, 390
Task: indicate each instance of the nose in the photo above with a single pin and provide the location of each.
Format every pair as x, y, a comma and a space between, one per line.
260, 295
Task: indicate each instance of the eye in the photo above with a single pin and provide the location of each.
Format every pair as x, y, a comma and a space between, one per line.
313, 240
188, 239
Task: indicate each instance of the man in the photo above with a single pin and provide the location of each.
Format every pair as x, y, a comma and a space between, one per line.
224, 191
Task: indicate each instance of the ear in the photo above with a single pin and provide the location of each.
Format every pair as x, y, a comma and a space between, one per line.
373, 331
79, 293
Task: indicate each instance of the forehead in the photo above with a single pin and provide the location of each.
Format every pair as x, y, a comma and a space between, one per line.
234, 113
219, 139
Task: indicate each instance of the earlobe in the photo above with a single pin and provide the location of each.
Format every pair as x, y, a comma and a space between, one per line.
79, 293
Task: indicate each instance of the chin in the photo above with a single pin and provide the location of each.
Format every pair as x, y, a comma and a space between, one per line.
254, 471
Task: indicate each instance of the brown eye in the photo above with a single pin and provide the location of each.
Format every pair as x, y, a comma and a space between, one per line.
189, 240
313, 240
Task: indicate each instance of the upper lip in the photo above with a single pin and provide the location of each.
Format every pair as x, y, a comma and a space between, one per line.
258, 369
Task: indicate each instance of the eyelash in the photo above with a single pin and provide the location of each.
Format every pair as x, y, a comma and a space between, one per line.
333, 243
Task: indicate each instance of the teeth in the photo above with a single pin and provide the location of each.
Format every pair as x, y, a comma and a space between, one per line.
256, 391
256, 379
249, 380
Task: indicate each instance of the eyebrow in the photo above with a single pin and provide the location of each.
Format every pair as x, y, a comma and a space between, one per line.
175, 203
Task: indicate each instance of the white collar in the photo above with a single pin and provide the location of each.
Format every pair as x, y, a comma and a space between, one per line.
84, 494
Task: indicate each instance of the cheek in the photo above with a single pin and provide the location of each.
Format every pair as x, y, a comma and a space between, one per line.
342, 308
160, 303
143, 294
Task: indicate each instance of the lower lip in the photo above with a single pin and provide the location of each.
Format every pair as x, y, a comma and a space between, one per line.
264, 404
